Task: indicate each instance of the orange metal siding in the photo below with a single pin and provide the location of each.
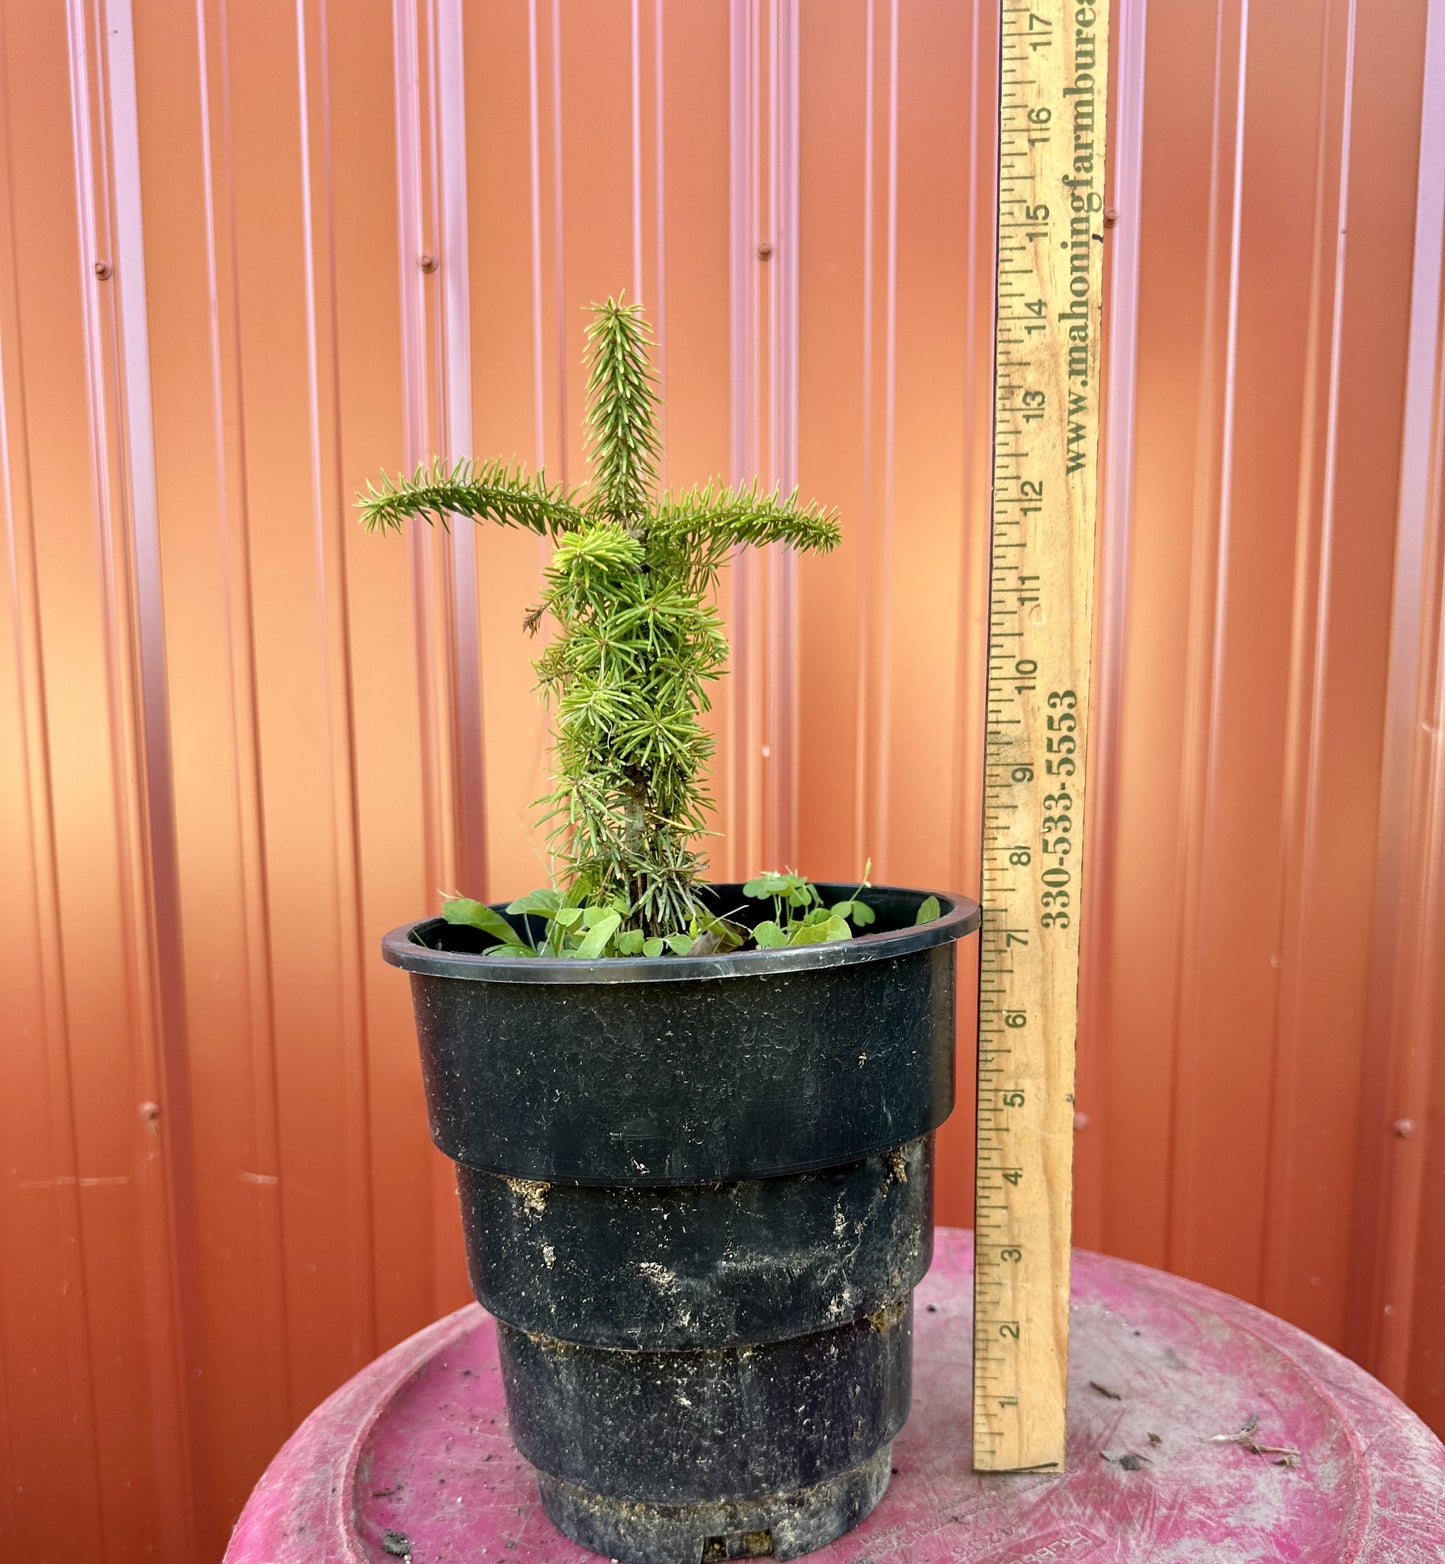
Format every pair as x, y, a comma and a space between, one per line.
251, 253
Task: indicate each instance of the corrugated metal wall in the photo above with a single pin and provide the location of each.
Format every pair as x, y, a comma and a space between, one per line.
250, 253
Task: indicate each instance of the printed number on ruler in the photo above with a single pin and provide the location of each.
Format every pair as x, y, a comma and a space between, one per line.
1046, 417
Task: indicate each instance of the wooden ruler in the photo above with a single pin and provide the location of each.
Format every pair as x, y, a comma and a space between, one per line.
1054, 59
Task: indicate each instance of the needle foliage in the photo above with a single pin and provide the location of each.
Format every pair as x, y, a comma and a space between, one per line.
631, 587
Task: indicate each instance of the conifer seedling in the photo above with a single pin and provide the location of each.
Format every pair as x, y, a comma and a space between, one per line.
631, 586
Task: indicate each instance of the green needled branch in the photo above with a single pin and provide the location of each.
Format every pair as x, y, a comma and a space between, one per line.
720, 518
621, 412
631, 585
486, 491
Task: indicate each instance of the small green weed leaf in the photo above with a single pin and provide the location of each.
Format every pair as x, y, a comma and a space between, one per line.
567, 916
679, 944
863, 914
928, 910
629, 942
769, 936
808, 934
509, 952
652, 947
477, 915
837, 928
726, 935
768, 885
544, 900
598, 935
817, 915
842, 909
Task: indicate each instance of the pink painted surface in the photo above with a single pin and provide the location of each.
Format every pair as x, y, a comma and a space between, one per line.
416, 1445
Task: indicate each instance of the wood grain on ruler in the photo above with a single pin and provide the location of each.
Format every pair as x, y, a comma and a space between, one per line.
1046, 419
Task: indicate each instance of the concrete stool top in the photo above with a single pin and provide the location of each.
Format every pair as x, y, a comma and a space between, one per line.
1318, 1462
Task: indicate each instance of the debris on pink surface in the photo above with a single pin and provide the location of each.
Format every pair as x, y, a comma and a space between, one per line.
1200, 1428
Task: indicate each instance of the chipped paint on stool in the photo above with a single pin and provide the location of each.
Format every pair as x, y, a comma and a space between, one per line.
1200, 1429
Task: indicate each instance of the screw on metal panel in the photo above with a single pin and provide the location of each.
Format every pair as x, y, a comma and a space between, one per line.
150, 1111
102, 269
1403, 1128
428, 263
1111, 216
764, 250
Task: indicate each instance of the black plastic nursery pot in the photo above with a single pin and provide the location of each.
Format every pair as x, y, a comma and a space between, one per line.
697, 1194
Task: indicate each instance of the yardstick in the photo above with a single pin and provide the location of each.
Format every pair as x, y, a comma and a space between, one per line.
1053, 66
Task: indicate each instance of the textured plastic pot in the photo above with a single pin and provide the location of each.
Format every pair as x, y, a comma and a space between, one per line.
697, 1194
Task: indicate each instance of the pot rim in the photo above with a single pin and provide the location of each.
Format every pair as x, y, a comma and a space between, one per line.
958, 916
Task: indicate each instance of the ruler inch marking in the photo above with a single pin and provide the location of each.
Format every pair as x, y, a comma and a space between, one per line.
1053, 63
